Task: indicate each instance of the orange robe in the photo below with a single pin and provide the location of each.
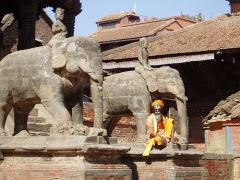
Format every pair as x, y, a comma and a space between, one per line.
162, 131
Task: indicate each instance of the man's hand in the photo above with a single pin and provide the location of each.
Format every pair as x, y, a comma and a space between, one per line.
152, 135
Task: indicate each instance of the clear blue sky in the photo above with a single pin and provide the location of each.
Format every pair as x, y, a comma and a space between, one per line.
95, 9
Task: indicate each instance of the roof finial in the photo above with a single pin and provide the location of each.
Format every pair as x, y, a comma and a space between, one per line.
134, 6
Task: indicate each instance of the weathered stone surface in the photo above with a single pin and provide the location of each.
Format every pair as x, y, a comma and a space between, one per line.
34, 119
30, 77
65, 157
169, 150
169, 163
36, 127
34, 112
59, 143
128, 91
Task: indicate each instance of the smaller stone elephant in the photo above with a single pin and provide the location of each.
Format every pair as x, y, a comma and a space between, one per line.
128, 92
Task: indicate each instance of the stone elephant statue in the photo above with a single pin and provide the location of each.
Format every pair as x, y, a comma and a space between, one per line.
128, 92
30, 76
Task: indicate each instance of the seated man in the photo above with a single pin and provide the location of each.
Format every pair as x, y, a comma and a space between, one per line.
160, 129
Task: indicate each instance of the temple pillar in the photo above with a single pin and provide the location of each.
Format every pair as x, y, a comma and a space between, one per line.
26, 24
69, 21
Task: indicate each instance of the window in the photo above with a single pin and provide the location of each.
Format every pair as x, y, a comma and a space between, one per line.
108, 25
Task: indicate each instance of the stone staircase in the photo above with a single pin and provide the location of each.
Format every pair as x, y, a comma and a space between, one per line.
38, 126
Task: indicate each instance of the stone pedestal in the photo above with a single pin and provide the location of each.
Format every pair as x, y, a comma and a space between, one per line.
62, 157
169, 163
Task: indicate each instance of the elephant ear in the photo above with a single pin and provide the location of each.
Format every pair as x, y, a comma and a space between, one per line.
85, 63
59, 61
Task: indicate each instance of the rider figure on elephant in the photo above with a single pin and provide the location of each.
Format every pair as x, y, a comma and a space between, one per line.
160, 129
60, 33
143, 67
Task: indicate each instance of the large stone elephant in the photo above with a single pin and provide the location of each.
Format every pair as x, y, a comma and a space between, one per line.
31, 76
128, 92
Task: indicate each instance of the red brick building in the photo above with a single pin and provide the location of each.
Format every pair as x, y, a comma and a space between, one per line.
124, 28
222, 130
235, 6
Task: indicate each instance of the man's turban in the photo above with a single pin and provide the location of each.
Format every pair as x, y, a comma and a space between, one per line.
158, 103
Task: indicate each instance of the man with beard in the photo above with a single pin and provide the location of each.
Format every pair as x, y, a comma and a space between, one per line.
160, 129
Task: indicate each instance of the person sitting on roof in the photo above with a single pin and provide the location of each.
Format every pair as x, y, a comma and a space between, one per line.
160, 129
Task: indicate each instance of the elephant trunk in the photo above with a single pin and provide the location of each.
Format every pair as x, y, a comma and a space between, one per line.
97, 98
183, 119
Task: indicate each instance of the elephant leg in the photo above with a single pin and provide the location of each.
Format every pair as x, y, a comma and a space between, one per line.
183, 120
3, 116
77, 110
140, 119
21, 117
112, 124
140, 107
59, 112
51, 95
97, 98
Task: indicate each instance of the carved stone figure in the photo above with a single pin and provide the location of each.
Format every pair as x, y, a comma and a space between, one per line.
143, 54
60, 33
58, 28
144, 68
31, 76
128, 91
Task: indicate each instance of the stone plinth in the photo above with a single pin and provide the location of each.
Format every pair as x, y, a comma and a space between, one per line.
169, 163
62, 157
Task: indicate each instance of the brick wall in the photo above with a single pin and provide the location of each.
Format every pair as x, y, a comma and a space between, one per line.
43, 30
235, 8
161, 167
126, 130
237, 168
10, 36
236, 138
219, 166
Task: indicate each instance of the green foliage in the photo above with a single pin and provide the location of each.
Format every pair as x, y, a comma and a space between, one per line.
199, 17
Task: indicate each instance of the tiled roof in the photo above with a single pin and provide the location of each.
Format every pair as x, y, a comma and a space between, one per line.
229, 108
209, 36
135, 30
116, 16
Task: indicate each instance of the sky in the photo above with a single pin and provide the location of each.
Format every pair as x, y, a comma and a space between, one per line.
92, 10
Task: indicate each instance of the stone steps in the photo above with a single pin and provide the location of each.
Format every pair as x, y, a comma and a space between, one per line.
35, 119
33, 133
34, 112
39, 128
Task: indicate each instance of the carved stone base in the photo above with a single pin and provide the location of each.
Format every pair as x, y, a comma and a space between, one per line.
170, 163
66, 157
